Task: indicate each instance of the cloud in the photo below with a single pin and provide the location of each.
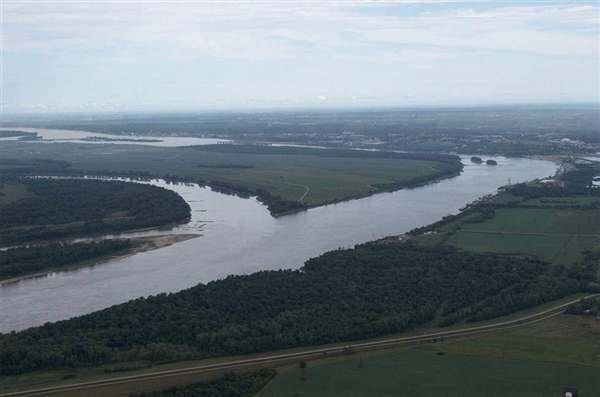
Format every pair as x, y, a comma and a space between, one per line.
259, 32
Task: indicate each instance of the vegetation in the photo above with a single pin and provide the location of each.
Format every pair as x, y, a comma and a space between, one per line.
21, 261
589, 307
230, 385
343, 295
556, 222
54, 208
422, 372
284, 178
511, 130
536, 360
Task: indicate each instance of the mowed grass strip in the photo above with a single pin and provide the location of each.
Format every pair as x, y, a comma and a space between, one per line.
424, 373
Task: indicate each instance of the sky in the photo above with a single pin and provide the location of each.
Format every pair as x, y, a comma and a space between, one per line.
200, 55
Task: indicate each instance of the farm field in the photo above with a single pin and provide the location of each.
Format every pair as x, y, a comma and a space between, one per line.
537, 361
549, 232
557, 249
540, 221
12, 191
414, 372
309, 179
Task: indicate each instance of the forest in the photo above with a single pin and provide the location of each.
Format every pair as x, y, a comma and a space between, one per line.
20, 261
59, 208
349, 294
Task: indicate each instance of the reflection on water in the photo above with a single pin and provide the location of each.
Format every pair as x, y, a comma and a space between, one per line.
240, 237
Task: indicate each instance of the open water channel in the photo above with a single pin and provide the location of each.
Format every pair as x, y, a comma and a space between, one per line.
240, 237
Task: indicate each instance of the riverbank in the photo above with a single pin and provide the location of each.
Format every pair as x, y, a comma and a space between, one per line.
241, 237
141, 244
436, 179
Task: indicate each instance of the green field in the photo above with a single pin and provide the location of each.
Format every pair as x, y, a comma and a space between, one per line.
310, 179
561, 250
537, 360
540, 221
551, 229
11, 192
424, 373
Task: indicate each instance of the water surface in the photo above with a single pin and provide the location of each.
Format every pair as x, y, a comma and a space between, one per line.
240, 237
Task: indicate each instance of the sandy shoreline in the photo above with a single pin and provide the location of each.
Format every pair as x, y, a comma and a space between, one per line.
145, 244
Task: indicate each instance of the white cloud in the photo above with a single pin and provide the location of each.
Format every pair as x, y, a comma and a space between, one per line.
264, 31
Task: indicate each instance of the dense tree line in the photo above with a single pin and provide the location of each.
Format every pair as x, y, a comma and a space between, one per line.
229, 385
65, 208
18, 167
20, 261
344, 295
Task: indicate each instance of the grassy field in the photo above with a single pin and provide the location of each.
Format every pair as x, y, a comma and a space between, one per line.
314, 179
11, 192
549, 232
541, 221
555, 331
424, 373
557, 249
534, 361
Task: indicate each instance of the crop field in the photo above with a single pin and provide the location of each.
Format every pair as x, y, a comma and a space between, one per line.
565, 339
561, 250
11, 192
424, 373
552, 229
537, 360
312, 179
504, 198
540, 221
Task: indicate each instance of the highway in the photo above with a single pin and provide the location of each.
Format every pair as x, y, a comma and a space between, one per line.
278, 358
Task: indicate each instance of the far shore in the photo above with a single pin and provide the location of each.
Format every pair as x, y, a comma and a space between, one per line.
144, 244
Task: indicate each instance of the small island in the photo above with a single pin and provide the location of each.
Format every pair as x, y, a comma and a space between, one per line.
476, 159
491, 162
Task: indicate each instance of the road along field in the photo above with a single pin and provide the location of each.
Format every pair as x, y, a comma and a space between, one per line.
116, 385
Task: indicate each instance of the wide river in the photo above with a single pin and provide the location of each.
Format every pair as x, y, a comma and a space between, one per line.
240, 237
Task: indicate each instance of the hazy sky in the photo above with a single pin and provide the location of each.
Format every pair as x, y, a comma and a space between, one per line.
94, 55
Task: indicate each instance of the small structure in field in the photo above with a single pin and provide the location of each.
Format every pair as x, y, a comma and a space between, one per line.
570, 392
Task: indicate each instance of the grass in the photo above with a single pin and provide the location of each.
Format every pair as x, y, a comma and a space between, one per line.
537, 360
12, 191
289, 176
543, 221
561, 250
54, 377
504, 198
424, 373
549, 232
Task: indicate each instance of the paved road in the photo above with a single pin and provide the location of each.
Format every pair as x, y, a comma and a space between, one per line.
384, 343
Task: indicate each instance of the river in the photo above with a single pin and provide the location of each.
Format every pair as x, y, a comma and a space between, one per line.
240, 237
